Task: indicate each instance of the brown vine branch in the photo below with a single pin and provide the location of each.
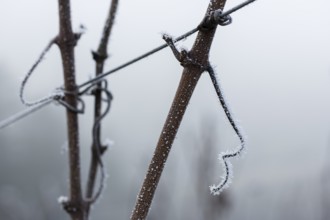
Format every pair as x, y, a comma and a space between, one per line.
66, 42
99, 57
190, 76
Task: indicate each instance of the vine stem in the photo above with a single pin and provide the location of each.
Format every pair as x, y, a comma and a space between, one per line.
99, 57
66, 42
189, 79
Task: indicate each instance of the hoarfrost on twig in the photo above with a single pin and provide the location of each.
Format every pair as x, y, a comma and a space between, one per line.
62, 199
108, 143
223, 157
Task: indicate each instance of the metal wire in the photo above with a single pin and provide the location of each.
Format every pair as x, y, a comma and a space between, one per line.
153, 51
44, 101
22, 114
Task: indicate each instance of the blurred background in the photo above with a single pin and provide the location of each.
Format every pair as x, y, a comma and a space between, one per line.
274, 66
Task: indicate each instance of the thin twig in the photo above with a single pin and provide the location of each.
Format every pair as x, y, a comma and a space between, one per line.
188, 82
66, 42
98, 148
99, 56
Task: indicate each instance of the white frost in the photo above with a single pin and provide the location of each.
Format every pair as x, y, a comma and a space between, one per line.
108, 143
62, 199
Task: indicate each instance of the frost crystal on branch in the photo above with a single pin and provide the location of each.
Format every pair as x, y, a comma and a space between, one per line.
62, 199
108, 143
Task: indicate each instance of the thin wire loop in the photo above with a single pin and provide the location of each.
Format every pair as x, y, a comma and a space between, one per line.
221, 19
79, 110
218, 17
57, 95
50, 97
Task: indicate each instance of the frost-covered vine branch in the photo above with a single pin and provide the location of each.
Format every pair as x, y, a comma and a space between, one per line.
97, 149
66, 42
190, 76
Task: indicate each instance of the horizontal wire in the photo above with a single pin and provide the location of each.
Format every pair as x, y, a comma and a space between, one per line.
22, 114
157, 49
10, 120
237, 7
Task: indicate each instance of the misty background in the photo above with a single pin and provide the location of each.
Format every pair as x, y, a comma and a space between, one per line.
273, 62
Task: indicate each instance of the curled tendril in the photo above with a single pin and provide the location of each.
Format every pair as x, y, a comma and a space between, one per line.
223, 157
52, 96
97, 147
184, 58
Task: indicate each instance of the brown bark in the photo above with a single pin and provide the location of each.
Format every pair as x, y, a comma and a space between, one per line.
99, 56
188, 82
66, 41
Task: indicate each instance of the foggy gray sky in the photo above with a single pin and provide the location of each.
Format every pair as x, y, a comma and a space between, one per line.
273, 63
